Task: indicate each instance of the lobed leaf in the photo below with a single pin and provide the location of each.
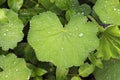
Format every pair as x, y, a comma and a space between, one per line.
10, 29
15, 5
63, 46
109, 43
108, 11
13, 68
111, 71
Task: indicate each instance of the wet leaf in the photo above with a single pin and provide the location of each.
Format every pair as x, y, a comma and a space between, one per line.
11, 30
108, 11
66, 46
13, 68
15, 5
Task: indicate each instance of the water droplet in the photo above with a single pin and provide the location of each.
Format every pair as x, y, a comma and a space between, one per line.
7, 30
6, 76
62, 48
16, 69
104, 21
115, 9
4, 34
81, 34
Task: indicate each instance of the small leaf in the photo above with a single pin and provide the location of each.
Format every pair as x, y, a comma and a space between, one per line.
15, 5
61, 73
108, 11
40, 71
13, 68
97, 62
76, 78
111, 71
11, 31
84, 9
62, 4
37, 78
109, 43
3, 16
86, 69
36, 71
46, 3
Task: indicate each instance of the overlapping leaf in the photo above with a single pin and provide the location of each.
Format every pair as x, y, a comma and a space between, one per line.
63, 46
15, 4
109, 43
108, 11
10, 29
111, 71
13, 68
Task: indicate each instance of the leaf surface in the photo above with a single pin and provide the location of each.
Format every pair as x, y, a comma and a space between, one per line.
15, 5
111, 71
13, 68
109, 43
108, 11
10, 29
63, 46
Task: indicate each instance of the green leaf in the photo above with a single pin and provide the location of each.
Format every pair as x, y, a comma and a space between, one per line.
29, 4
111, 71
76, 78
61, 73
85, 9
15, 5
26, 14
86, 69
46, 3
36, 71
109, 43
62, 4
63, 46
108, 11
97, 62
38, 78
13, 68
3, 16
11, 31
69, 14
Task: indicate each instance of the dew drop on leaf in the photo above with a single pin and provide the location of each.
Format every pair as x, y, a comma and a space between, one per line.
4, 34
81, 35
16, 70
115, 9
6, 76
